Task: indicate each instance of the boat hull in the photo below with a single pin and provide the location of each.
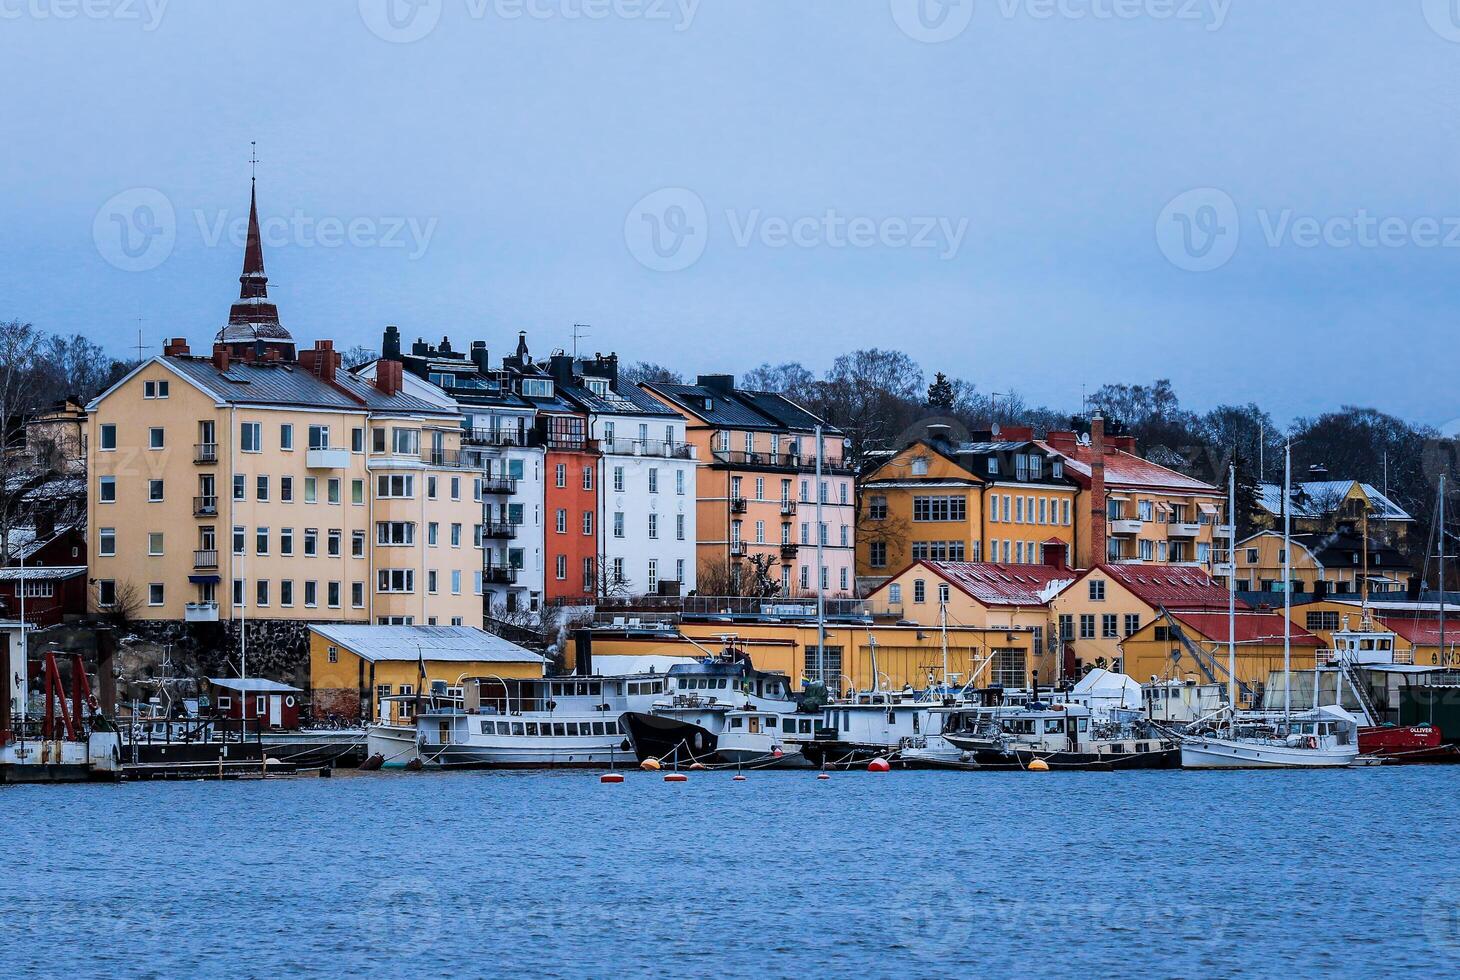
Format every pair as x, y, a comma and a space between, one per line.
1407, 744
1222, 753
588, 755
668, 739
395, 744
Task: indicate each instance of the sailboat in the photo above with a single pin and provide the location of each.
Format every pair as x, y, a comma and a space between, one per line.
1324, 738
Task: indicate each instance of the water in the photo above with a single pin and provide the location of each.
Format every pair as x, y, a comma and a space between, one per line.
485, 874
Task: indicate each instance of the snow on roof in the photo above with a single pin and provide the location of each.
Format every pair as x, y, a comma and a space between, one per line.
1318, 498
620, 666
1175, 587
457, 644
1001, 584
1128, 471
41, 573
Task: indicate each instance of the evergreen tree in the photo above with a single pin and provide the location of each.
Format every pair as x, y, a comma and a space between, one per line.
940, 392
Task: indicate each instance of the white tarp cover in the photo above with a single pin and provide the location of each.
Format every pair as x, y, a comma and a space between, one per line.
1107, 689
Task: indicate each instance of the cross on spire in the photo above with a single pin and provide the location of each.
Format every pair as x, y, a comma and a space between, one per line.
253, 161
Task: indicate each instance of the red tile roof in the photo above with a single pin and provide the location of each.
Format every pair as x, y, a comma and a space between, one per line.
1127, 471
999, 584
1253, 628
1172, 586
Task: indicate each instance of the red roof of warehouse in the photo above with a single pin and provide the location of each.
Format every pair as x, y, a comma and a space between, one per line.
1001, 584
1253, 627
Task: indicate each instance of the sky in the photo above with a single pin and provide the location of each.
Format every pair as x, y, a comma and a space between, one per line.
1256, 200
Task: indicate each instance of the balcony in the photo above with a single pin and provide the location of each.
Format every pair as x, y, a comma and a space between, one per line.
1182, 529
783, 461
1124, 526
788, 508
494, 437
739, 505
499, 484
504, 530
201, 612
788, 551
500, 575
737, 549
1222, 531
205, 506
450, 459
327, 459
649, 447
205, 453
207, 558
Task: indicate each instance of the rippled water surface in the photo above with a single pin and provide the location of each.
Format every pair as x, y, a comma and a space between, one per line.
552, 874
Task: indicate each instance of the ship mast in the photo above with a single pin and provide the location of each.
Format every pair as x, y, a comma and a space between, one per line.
1232, 593
1287, 582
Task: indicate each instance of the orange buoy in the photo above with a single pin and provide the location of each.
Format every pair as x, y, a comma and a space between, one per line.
611, 777
675, 777
824, 775
879, 765
650, 764
1039, 765
697, 765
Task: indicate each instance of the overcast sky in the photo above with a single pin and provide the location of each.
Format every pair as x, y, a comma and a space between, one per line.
1257, 200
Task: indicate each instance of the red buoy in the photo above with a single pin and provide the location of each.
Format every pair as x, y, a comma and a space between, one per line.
879, 765
739, 777
697, 765
675, 777
611, 777
824, 775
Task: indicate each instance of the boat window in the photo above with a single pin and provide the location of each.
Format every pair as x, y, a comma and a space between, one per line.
847, 721
683, 683
559, 728
595, 689
532, 728
806, 727
598, 728
517, 728
917, 723
1052, 725
582, 689
891, 717
1082, 724
736, 722
788, 725
486, 728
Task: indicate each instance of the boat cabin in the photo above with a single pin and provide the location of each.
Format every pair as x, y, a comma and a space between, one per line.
572, 695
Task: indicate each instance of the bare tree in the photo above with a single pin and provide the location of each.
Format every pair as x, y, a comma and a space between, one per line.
610, 585
649, 371
20, 395
358, 356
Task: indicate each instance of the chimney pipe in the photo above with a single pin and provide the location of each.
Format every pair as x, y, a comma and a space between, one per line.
1097, 490
220, 357
177, 347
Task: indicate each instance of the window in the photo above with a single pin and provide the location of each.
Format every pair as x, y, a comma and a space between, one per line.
333, 541
456, 582
357, 595
431, 581
395, 485
1132, 623
250, 437
286, 436
155, 594
311, 593
396, 580
433, 533
261, 541
357, 543
587, 478
1067, 627
319, 437
107, 489
877, 554
653, 479
106, 592
240, 539
560, 521
154, 491
106, 542
1109, 626
943, 592
286, 541
154, 389
588, 522
618, 523
1008, 668
405, 442
679, 482
286, 489
430, 488
1252, 556
333, 489
311, 490
456, 535
357, 491
311, 542
261, 591
949, 508
653, 526
679, 528
357, 440
392, 533
333, 595
1097, 590
1322, 621
156, 438
108, 437
262, 488
560, 475
618, 479
920, 590
877, 508
560, 567
1087, 626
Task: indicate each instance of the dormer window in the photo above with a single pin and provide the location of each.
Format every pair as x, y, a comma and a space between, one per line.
442, 380
537, 387
993, 466
599, 386
1035, 466
1057, 469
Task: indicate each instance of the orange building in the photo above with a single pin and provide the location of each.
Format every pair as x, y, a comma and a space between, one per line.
758, 495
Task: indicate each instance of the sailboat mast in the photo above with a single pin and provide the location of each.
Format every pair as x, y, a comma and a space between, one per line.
1287, 581
1232, 589
1441, 538
943, 623
820, 573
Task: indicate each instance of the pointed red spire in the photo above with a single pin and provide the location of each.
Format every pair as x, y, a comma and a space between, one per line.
255, 284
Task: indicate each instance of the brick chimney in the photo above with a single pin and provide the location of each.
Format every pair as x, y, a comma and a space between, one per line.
1062, 440
389, 377
176, 347
322, 361
220, 357
1097, 489
1054, 553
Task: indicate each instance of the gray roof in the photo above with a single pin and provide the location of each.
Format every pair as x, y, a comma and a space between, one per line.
628, 400
277, 383
1317, 498
254, 685
457, 644
742, 408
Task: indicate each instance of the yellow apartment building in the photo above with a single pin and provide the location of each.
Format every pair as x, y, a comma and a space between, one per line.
352, 668
757, 493
999, 498
1333, 562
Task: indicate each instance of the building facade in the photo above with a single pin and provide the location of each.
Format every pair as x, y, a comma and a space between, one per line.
761, 511
1328, 562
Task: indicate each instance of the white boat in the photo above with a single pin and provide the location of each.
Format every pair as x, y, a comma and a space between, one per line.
766, 739
392, 738
537, 723
1324, 739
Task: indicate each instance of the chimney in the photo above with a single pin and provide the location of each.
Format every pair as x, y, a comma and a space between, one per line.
1126, 444
723, 383
560, 366
322, 361
390, 345
177, 347
1055, 553
445, 348
420, 348
1016, 433
1097, 490
480, 358
389, 376
220, 357
1062, 440
1318, 471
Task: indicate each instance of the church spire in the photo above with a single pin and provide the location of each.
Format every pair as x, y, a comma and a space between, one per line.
253, 322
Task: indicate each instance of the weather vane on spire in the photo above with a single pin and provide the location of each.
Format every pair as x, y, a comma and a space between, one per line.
253, 161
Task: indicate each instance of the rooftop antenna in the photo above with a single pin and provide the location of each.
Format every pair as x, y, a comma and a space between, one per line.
579, 330
140, 347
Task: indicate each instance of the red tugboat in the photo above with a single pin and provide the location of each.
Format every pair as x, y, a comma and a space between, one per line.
1354, 655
